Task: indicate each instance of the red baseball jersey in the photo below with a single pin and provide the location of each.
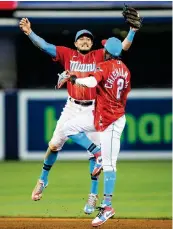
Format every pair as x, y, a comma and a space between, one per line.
113, 79
72, 60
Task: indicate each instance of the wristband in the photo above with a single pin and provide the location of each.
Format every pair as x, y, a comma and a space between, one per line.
130, 35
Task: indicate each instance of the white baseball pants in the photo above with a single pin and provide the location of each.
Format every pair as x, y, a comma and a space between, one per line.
73, 113
109, 138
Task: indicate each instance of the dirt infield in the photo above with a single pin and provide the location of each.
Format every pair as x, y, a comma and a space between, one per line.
54, 223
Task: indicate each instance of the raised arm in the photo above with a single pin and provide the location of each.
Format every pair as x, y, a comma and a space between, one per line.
129, 39
133, 19
25, 26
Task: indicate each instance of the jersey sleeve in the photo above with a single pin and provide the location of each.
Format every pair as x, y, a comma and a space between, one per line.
98, 74
61, 54
127, 89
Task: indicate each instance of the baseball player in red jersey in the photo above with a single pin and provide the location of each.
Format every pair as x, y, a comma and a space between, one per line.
112, 80
80, 100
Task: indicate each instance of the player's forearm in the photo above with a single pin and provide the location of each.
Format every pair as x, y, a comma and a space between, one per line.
86, 82
42, 44
128, 40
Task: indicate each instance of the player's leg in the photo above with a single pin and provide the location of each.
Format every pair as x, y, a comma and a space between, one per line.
97, 166
55, 145
93, 195
74, 129
110, 144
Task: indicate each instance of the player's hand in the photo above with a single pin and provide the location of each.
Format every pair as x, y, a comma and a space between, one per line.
25, 26
62, 79
134, 29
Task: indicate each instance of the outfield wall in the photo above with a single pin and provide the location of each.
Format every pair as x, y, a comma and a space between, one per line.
30, 118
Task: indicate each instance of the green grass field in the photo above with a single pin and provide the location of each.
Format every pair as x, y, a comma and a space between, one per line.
143, 189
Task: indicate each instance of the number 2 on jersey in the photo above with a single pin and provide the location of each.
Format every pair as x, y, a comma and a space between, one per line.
120, 85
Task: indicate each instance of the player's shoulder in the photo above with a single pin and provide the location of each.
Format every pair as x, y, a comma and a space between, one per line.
119, 62
96, 51
66, 49
102, 64
125, 67
105, 64
116, 63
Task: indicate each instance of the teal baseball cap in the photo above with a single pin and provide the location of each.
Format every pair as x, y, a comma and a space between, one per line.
113, 45
83, 32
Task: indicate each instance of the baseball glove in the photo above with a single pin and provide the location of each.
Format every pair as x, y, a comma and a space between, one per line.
132, 17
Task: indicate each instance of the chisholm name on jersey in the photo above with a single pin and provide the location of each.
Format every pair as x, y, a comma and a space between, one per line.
118, 72
78, 67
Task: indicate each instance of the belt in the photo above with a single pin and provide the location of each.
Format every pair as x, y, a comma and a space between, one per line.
81, 103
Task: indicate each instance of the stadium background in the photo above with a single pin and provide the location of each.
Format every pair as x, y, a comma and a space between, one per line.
29, 107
